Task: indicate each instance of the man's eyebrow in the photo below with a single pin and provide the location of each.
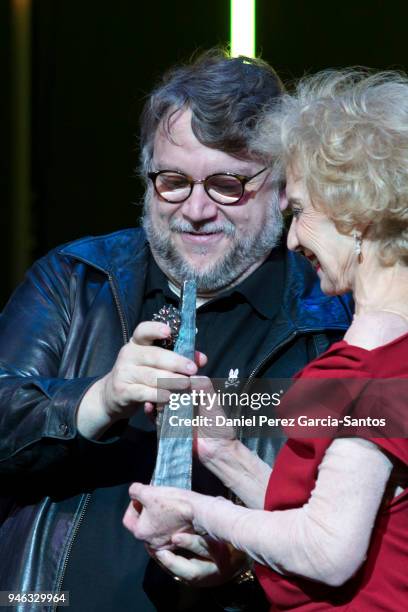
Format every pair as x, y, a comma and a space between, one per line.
170, 168
221, 170
242, 171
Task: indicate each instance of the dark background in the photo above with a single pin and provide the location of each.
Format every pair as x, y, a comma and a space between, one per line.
92, 63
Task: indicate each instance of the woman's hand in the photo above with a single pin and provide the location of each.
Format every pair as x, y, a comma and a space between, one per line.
211, 439
207, 563
155, 514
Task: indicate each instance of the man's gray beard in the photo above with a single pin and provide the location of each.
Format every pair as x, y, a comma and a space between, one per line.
243, 253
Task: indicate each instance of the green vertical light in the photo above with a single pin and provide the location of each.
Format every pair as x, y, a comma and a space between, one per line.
242, 27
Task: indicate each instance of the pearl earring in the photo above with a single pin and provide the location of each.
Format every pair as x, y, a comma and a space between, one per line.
358, 241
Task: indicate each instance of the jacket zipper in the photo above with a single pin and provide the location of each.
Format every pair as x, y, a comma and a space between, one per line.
85, 503
287, 339
125, 331
87, 498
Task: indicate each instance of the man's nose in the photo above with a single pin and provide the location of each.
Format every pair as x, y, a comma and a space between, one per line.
199, 206
292, 240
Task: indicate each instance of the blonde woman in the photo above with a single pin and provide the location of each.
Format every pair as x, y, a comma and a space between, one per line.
329, 526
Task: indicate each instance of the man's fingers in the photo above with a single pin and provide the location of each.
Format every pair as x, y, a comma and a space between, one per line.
200, 359
157, 357
202, 383
149, 331
150, 410
157, 378
135, 394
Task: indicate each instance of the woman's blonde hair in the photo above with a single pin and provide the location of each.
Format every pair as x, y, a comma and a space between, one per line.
347, 133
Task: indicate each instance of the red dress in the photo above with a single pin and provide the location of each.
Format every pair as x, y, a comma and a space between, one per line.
381, 584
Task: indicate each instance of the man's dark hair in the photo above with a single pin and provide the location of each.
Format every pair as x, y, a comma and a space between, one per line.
225, 95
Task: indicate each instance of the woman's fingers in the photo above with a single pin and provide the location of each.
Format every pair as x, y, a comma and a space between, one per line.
132, 515
192, 542
191, 570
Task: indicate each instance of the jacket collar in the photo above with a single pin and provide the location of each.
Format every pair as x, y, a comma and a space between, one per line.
123, 256
305, 306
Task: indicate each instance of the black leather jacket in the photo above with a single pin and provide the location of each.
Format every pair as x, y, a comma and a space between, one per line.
61, 330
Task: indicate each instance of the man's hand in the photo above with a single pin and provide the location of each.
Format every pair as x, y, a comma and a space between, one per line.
133, 380
155, 514
209, 562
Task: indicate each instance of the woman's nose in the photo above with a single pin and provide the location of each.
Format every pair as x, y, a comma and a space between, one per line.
292, 241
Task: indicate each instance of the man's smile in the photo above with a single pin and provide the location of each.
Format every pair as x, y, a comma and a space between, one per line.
202, 237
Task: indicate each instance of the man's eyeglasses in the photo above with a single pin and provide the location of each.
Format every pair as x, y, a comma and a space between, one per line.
223, 188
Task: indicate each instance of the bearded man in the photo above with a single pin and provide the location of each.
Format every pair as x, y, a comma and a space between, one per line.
78, 349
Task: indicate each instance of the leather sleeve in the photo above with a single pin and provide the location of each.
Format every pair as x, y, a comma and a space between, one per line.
37, 406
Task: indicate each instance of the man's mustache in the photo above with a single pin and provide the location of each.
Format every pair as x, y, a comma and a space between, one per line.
180, 226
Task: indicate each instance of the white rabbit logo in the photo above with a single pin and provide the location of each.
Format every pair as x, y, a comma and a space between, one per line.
233, 380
